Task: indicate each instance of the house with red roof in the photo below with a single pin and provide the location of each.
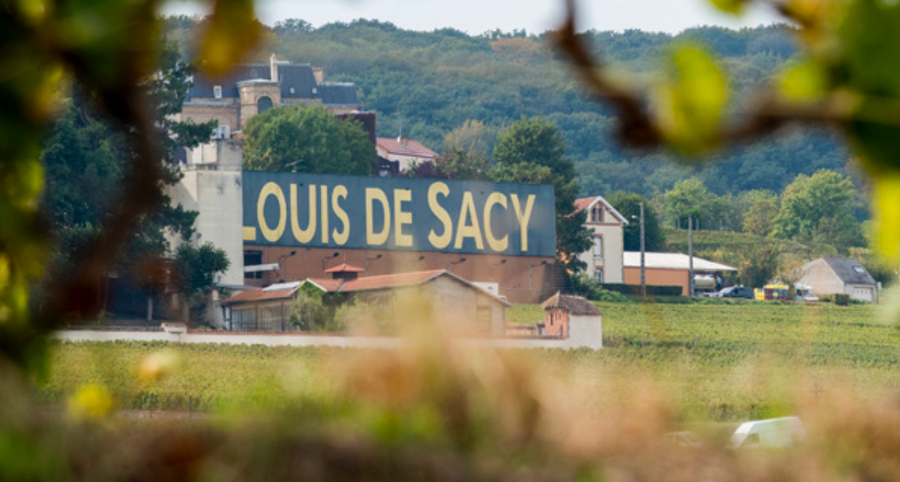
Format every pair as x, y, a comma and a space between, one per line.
404, 151
466, 306
605, 257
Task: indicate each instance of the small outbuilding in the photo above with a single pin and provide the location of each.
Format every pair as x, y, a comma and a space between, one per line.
828, 276
673, 269
573, 317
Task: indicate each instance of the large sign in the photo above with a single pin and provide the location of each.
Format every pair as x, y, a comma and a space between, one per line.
295, 209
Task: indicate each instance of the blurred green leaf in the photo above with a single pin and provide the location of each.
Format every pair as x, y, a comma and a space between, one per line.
232, 33
690, 106
886, 211
734, 7
803, 82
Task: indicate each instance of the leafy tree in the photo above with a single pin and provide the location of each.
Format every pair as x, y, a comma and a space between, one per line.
627, 205
300, 138
687, 198
759, 266
197, 267
820, 206
474, 138
759, 217
85, 158
532, 151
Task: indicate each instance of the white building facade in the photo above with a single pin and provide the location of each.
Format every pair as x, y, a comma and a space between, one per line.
604, 258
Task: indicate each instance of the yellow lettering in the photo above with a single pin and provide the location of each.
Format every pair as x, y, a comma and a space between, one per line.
373, 238
443, 240
324, 214
402, 217
303, 235
340, 192
524, 218
496, 244
465, 229
271, 189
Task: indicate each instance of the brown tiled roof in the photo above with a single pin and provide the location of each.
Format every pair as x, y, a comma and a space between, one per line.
260, 295
345, 268
575, 305
388, 281
327, 284
581, 204
409, 147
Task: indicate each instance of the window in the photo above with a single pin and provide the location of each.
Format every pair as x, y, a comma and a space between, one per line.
598, 247
596, 214
263, 104
253, 258
598, 275
217, 91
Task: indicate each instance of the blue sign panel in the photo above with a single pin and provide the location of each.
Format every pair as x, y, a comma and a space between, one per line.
310, 210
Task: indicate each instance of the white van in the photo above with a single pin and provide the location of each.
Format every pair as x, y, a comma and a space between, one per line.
773, 433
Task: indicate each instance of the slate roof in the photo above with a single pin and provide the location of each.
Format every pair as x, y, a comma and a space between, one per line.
850, 271
297, 82
575, 305
410, 148
583, 203
632, 259
338, 93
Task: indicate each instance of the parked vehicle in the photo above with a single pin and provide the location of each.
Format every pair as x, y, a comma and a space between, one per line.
772, 292
773, 433
803, 292
736, 292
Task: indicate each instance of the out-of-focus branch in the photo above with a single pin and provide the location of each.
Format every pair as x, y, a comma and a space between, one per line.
639, 128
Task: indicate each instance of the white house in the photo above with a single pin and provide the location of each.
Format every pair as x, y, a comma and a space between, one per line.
604, 259
828, 276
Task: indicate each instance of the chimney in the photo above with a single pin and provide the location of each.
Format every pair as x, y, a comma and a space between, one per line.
402, 140
319, 74
273, 68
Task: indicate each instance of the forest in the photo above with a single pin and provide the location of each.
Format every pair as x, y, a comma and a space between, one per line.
429, 83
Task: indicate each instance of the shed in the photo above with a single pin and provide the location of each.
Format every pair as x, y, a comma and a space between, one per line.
670, 269
568, 316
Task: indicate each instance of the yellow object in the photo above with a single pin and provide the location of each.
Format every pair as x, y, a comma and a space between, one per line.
90, 402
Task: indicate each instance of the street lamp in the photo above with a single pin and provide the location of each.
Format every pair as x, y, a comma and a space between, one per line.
376, 258
281, 260
452, 263
530, 277
410, 262
643, 264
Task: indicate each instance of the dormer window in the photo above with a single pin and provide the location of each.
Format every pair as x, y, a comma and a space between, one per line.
217, 91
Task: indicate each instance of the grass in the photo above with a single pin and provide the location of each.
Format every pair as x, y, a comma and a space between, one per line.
714, 361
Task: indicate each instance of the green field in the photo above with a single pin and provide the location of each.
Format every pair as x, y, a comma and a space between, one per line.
712, 361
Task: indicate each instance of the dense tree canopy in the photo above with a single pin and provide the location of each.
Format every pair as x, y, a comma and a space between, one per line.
627, 205
432, 83
85, 158
300, 138
820, 206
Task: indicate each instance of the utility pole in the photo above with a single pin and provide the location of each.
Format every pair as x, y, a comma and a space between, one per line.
691, 254
643, 276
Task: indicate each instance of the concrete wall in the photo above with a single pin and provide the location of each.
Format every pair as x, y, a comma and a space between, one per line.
589, 341
660, 277
522, 279
611, 231
216, 195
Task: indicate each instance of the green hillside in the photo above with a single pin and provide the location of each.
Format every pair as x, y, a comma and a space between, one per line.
429, 83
